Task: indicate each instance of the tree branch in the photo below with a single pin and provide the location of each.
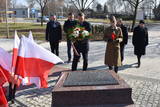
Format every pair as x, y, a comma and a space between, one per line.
75, 5
89, 4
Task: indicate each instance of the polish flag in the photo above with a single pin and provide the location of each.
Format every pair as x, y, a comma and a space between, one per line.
3, 100
5, 67
34, 62
15, 51
3, 77
30, 36
5, 63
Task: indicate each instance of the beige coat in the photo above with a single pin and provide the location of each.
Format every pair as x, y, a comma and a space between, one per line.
112, 54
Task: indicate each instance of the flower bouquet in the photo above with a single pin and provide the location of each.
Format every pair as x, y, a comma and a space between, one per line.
79, 33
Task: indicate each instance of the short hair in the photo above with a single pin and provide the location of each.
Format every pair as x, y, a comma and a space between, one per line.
69, 14
52, 15
141, 22
113, 19
81, 14
120, 20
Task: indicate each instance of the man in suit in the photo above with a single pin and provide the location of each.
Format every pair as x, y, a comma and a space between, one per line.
82, 46
54, 34
125, 37
68, 25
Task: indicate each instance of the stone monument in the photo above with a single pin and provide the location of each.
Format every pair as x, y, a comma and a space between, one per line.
81, 88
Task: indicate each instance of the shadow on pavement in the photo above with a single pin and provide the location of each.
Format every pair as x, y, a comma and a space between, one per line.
126, 66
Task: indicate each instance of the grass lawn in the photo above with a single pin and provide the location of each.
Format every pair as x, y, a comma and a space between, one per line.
22, 28
39, 31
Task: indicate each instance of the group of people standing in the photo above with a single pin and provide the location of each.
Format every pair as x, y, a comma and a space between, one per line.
116, 36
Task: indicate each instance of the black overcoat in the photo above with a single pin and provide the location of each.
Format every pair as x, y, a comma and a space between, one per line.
53, 31
125, 35
140, 40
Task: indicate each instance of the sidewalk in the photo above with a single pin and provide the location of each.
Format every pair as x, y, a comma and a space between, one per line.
145, 81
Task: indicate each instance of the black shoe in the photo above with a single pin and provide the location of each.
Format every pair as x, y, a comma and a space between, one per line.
116, 69
139, 64
110, 67
69, 61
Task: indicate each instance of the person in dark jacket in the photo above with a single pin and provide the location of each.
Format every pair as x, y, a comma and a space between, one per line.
82, 46
125, 37
68, 25
54, 34
140, 40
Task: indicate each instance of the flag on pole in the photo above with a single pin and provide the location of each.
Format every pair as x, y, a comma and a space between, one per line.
30, 36
3, 79
34, 62
15, 51
5, 63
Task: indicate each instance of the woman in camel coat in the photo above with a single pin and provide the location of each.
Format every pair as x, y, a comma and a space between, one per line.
113, 37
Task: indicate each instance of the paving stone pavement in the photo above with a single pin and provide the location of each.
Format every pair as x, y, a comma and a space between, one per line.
145, 81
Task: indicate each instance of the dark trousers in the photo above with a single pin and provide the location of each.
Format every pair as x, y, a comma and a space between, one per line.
55, 47
12, 92
69, 49
139, 60
122, 51
76, 59
115, 68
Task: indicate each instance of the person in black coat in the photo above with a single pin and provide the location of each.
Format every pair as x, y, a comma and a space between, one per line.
140, 40
68, 25
54, 34
82, 46
125, 37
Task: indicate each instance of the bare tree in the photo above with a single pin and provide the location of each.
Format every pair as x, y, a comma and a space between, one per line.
114, 6
14, 3
56, 7
82, 5
3, 4
42, 4
135, 4
31, 3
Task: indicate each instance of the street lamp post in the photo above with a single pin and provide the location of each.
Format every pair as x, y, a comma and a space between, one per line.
7, 28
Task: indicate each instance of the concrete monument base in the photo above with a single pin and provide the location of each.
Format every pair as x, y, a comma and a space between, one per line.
91, 88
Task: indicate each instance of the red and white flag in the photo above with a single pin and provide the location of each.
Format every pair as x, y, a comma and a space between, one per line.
34, 62
3, 100
5, 63
15, 51
5, 68
3, 79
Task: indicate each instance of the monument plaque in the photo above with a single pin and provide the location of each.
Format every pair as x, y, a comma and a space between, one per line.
89, 78
90, 88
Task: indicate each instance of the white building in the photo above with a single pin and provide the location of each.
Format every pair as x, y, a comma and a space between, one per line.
20, 12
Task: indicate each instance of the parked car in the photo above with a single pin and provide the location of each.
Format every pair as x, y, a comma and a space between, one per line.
45, 19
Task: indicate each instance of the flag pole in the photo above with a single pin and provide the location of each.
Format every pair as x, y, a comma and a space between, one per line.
74, 49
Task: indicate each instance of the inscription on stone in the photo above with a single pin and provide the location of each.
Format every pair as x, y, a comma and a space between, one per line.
89, 78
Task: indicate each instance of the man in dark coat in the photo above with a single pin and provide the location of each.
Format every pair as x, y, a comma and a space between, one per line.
68, 25
140, 40
54, 34
125, 37
82, 46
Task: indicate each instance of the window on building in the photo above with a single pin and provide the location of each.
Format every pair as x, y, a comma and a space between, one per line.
23, 12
